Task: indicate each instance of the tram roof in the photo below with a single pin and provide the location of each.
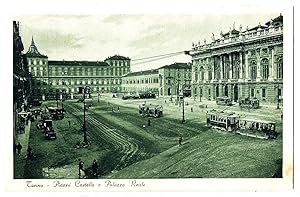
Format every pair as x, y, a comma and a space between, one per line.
221, 113
257, 120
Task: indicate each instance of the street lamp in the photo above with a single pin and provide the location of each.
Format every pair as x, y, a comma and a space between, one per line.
84, 89
56, 96
181, 97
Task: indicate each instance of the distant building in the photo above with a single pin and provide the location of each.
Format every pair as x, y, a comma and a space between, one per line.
52, 77
241, 63
143, 81
175, 78
165, 81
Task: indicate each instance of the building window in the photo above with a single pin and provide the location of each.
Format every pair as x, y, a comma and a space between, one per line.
280, 69
265, 68
252, 92
253, 70
263, 93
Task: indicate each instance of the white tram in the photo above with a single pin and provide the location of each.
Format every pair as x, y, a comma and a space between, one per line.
257, 128
151, 110
223, 120
224, 100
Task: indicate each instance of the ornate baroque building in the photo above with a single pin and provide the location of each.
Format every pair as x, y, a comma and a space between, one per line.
164, 81
241, 63
65, 77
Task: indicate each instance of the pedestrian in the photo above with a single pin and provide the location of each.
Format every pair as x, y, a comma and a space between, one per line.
165, 101
149, 122
29, 152
191, 109
95, 167
80, 167
118, 108
19, 148
281, 117
69, 123
180, 141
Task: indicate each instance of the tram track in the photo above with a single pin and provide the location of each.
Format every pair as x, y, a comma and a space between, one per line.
129, 148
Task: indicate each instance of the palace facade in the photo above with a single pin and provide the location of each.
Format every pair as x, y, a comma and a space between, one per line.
65, 77
241, 63
164, 81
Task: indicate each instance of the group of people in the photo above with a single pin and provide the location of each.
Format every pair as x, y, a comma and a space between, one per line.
18, 148
81, 171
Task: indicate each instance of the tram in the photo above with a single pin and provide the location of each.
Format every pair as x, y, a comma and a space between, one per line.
257, 128
249, 103
222, 120
151, 110
224, 100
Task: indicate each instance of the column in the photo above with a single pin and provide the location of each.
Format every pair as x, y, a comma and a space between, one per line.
221, 67
246, 66
230, 66
241, 68
212, 68
271, 66
258, 70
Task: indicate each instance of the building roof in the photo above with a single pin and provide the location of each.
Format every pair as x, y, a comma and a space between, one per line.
178, 66
144, 72
277, 19
33, 51
233, 32
77, 63
257, 27
117, 57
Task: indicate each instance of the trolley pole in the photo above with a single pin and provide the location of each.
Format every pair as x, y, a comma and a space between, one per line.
183, 110
56, 100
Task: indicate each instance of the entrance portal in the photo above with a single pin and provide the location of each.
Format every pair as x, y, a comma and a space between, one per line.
226, 90
235, 93
217, 90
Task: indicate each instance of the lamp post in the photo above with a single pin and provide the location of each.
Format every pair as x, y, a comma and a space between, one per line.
56, 96
181, 97
84, 121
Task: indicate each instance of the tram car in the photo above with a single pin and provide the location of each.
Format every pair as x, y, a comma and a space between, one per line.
249, 127
151, 110
224, 100
257, 128
222, 120
56, 113
249, 103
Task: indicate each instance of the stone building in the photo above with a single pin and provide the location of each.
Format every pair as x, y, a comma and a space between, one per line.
175, 78
52, 77
143, 81
241, 63
21, 81
164, 81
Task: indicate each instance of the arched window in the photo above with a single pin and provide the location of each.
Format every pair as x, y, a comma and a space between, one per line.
253, 70
265, 68
279, 68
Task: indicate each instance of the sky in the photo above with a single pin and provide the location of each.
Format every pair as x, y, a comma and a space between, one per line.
96, 37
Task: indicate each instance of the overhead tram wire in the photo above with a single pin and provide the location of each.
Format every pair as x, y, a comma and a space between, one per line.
158, 57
